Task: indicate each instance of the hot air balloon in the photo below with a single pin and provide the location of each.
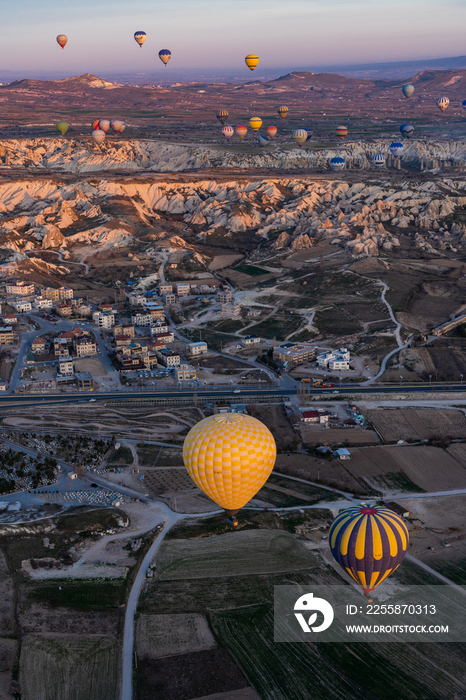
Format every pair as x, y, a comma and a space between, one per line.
140, 37
283, 111
396, 149
229, 457
378, 160
255, 123
62, 40
300, 136
165, 55
122, 127
464, 104
116, 126
309, 134
241, 131
251, 61
271, 131
341, 132
228, 132
98, 135
442, 103
337, 163
95, 124
407, 90
263, 141
104, 125
62, 127
369, 543
407, 130
222, 116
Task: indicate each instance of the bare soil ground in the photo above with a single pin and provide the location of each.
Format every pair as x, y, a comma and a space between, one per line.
7, 598
418, 424
339, 436
243, 694
169, 635
330, 473
276, 420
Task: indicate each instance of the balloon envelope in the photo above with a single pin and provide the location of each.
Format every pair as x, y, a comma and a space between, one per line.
442, 103
309, 134
62, 40
263, 140
116, 125
255, 123
95, 124
241, 131
337, 163
369, 543
62, 127
407, 130
300, 136
271, 131
165, 55
408, 90
228, 132
283, 111
341, 132
396, 149
98, 135
104, 125
251, 61
464, 104
222, 116
140, 37
378, 160
229, 457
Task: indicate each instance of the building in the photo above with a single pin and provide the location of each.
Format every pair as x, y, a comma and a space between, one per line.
314, 417
83, 311
22, 289
84, 380
8, 336
126, 329
250, 340
159, 327
77, 301
39, 346
449, 325
42, 303
169, 299
60, 347
156, 310
137, 299
342, 453
185, 373
122, 340
165, 289
22, 306
231, 310
3, 386
183, 289
253, 313
168, 358
10, 319
142, 319
294, 354
334, 360
107, 309
165, 338
60, 294
65, 366
84, 347
103, 320
196, 349
64, 310
224, 296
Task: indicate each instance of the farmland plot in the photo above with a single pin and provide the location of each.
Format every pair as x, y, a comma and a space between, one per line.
430, 468
233, 554
7, 593
61, 667
168, 635
417, 424
337, 436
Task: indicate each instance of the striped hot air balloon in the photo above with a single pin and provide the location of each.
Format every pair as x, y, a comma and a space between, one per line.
341, 132
369, 543
251, 61
442, 103
407, 130
283, 111
300, 136
271, 131
337, 163
378, 160
255, 123
228, 132
241, 131
222, 116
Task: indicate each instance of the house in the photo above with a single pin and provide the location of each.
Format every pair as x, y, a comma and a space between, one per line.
83, 311
165, 289
183, 289
106, 308
64, 310
250, 340
199, 348
156, 310
310, 416
224, 296
60, 347
84, 380
142, 319
60, 294
397, 508
137, 299
125, 329
71, 335
39, 346
294, 354
165, 338
65, 366
10, 319
42, 303
77, 301
185, 373
253, 313
231, 310
334, 360
122, 340
159, 327
342, 453
169, 299
84, 347
22, 289
168, 358
22, 306
3, 386
8, 336
103, 320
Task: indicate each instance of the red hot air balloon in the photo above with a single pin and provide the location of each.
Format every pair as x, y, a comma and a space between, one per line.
271, 131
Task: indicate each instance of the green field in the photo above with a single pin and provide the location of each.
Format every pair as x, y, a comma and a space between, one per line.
251, 270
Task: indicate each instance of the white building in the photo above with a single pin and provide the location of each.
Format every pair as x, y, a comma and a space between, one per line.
334, 360
183, 289
42, 303
199, 348
185, 373
65, 366
159, 327
250, 340
142, 319
22, 306
103, 320
137, 299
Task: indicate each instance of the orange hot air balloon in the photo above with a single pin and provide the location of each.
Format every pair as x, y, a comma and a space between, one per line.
271, 131
341, 132
62, 40
241, 131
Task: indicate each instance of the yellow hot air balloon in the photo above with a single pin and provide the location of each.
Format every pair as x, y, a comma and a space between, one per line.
255, 123
251, 61
283, 111
229, 457
62, 127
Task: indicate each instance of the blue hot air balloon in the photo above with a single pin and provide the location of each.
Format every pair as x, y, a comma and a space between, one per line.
337, 163
464, 104
407, 90
263, 140
378, 160
407, 130
396, 149
140, 37
165, 55
309, 134
369, 543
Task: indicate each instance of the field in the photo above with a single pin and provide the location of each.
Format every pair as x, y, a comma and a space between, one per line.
339, 436
62, 667
168, 635
283, 492
418, 424
408, 468
79, 595
330, 473
232, 554
276, 420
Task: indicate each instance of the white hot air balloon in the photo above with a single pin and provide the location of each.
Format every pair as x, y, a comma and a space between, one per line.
228, 132
99, 136
104, 125
442, 103
378, 160
116, 126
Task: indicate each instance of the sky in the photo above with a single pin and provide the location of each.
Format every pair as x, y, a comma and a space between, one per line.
209, 35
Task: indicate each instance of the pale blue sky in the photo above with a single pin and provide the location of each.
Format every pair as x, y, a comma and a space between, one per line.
208, 33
